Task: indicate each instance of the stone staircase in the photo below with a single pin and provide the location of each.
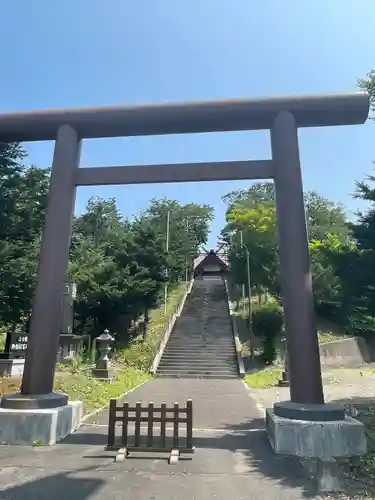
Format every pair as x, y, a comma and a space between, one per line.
201, 344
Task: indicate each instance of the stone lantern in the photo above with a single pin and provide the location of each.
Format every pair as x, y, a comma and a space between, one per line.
103, 368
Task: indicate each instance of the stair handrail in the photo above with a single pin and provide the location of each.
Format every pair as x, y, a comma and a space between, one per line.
237, 343
169, 328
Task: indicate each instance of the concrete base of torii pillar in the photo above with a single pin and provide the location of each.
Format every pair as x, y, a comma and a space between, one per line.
320, 433
41, 420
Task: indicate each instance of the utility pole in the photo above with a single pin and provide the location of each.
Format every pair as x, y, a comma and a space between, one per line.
187, 218
166, 270
250, 303
186, 256
243, 285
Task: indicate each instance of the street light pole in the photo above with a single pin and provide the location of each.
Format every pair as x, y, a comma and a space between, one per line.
166, 270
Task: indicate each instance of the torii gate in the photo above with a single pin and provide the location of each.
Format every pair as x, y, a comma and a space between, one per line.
67, 127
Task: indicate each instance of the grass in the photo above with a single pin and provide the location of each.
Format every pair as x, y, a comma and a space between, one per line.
140, 354
329, 332
263, 379
95, 393
360, 474
132, 370
92, 392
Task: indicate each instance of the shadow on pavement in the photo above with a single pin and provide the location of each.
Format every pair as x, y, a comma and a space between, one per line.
61, 486
247, 439
255, 447
86, 438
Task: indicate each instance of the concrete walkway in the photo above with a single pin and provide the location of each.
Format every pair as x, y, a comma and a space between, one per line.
217, 403
233, 460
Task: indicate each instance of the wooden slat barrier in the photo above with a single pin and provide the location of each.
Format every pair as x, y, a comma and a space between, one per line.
150, 415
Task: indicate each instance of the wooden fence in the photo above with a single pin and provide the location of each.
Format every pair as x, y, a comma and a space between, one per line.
151, 442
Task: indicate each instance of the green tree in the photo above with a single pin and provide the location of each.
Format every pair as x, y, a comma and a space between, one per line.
355, 265
22, 208
368, 84
18, 265
253, 213
261, 192
118, 265
326, 282
101, 216
23, 195
188, 231
355, 268
325, 218
257, 227
11, 170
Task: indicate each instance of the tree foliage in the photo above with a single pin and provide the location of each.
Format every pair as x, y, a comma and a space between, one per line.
119, 265
368, 84
356, 267
188, 230
251, 215
342, 253
22, 207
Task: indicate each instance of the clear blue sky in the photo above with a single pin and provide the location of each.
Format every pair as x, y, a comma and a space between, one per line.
67, 53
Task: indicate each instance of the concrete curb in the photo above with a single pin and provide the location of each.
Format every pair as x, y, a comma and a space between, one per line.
105, 407
241, 368
169, 329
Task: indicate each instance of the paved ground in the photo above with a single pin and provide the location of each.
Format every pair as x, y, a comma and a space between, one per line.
217, 404
342, 384
233, 460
